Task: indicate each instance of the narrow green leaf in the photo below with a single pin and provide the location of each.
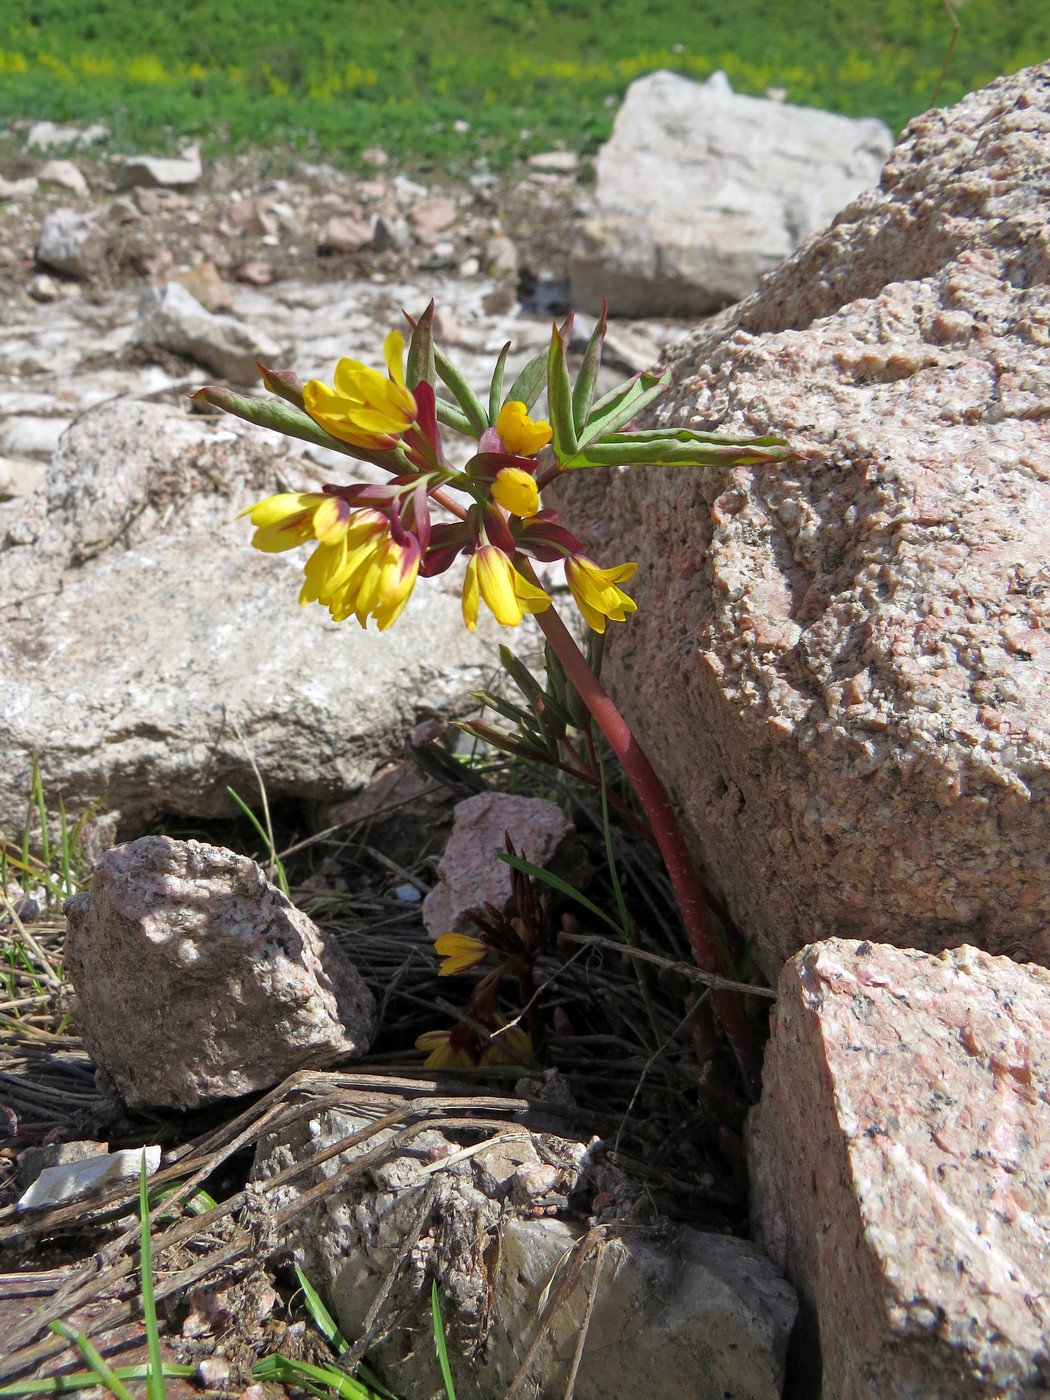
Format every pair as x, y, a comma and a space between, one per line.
321, 1317
506, 708
41, 809
283, 383
502, 741
453, 417
462, 393
281, 417
496, 387
280, 1368
155, 1383
104, 1373
583, 393
529, 384
563, 886
559, 399
419, 368
642, 392
264, 837
87, 1380
674, 449
439, 1342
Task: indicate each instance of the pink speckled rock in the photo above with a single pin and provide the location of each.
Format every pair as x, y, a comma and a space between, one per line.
197, 980
470, 871
900, 1167
841, 664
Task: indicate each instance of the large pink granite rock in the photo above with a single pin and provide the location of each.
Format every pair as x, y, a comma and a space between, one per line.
841, 664
197, 980
900, 1167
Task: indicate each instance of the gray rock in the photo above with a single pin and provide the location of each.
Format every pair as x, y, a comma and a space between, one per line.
172, 318
706, 1314
700, 192
470, 872
19, 189
197, 980
555, 162
17, 478
900, 1167
140, 628
343, 234
840, 663
390, 233
49, 136
64, 174
153, 171
86, 1176
71, 242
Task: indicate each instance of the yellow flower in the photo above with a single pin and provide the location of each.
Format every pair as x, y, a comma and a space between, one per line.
293, 517
492, 575
380, 584
595, 590
459, 952
516, 491
365, 408
518, 433
332, 564
445, 1050
509, 1046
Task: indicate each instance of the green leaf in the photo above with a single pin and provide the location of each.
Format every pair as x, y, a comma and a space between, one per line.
496, 387
282, 418
321, 1317
87, 1380
280, 1368
562, 886
155, 1383
103, 1372
439, 1342
503, 742
462, 393
419, 367
676, 448
559, 399
529, 384
638, 394
503, 707
583, 393
453, 417
283, 383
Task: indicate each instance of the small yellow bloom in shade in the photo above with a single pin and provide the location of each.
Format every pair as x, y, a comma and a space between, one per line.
518, 433
596, 592
444, 1053
510, 1046
365, 408
459, 952
515, 490
293, 517
491, 575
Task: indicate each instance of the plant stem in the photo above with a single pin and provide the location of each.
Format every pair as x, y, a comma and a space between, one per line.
653, 796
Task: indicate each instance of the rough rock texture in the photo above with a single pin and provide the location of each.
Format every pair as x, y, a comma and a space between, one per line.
701, 191
470, 871
707, 1314
900, 1167
196, 979
141, 632
172, 318
151, 171
841, 664
71, 242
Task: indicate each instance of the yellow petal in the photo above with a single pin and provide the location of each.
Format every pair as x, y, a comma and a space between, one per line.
516, 491
394, 354
517, 431
471, 594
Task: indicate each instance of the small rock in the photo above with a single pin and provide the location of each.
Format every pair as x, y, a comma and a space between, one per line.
255, 272
80, 1177
376, 157
43, 288
344, 234
206, 286
171, 318
149, 200
196, 979
408, 192
469, 267
499, 257
18, 478
47, 136
63, 173
432, 215
555, 162
390, 233
159, 170
35, 1160
470, 871
18, 189
443, 254
70, 242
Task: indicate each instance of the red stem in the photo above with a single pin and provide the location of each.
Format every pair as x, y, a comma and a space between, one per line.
653, 796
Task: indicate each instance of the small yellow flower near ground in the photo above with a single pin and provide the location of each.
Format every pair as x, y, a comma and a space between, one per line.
517, 431
459, 952
365, 408
510, 1046
491, 575
444, 1051
516, 491
293, 517
596, 593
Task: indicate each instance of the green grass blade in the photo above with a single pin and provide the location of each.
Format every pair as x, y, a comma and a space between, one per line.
320, 1316
264, 837
87, 1380
562, 886
41, 808
280, 1368
439, 1342
155, 1383
610, 857
103, 1373
496, 387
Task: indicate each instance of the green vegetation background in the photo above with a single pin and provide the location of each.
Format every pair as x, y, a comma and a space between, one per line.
336, 76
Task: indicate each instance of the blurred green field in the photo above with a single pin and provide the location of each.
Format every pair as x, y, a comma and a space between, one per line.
336, 76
